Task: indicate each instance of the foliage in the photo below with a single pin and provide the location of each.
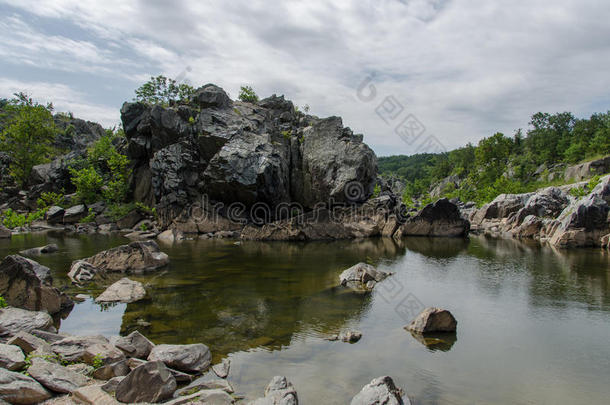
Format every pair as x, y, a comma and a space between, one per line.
246, 93
98, 361
376, 191
144, 227
28, 135
12, 219
164, 91
145, 209
89, 218
88, 183
286, 134
49, 199
117, 211
3, 303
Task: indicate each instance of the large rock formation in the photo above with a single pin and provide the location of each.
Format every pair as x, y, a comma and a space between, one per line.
239, 152
441, 218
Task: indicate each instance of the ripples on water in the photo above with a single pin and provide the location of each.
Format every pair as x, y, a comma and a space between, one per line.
533, 323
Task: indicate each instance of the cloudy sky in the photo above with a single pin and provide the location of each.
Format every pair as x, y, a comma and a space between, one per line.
444, 72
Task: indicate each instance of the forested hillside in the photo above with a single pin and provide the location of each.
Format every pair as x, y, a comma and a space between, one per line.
504, 164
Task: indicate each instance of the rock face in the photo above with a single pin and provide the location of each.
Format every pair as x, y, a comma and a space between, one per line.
362, 276
136, 257
233, 151
441, 218
588, 169
26, 284
433, 320
15, 320
17, 388
124, 290
381, 390
194, 358
11, 357
279, 392
151, 382
55, 377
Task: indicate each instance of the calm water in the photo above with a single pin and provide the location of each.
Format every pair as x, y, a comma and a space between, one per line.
533, 323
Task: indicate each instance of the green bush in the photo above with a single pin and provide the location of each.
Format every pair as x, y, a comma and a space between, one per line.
89, 218
88, 184
49, 199
246, 93
162, 90
117, 211
12, 219
3, 303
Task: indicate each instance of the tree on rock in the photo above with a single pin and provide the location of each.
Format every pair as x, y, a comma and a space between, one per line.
246, 93
28, 135
164, 91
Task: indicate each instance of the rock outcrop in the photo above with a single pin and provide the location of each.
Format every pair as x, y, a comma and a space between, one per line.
441, 218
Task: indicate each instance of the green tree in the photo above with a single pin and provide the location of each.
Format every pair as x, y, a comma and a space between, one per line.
246, 93
164, 91
28, 136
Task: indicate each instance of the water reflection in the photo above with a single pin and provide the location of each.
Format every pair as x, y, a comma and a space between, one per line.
436, 341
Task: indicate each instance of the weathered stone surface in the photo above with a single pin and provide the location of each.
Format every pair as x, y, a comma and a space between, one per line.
206, 382
136, 257
55, 215
52, 248
17, 388
26, 284
15, 320
279, 392
4, 232
178, 375
11, 357
362, 276
134, 345
433, 320
111, 385
108, 371
94, 395
381, 390
441, 218
588, 169
105, 351
194, 358
204, 397
74, 214
81, 368
73, 348
211, 96
124, 290
48, 336
222, 369
83, 272
151, 382
56, 377
27, 342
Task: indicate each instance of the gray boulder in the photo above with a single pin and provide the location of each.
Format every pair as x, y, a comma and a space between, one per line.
17, 388
84, 272
279, 392
74, 214
108, 371
15, 320
55, 377
134, 345
135, 257
27, 342
206, 382
85, 348
26, 284
441, 218
222, 369
362, 276
124, 290
11, 357
381, 390
5, 233
211, 96
151, 382
55, 215
111, 385
193, 358
433, 320
52, 248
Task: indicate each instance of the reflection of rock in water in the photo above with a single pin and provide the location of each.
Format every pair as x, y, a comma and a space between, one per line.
436, 341
440, 248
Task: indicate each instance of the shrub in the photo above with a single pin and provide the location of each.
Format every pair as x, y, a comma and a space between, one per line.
246, 93
162, 90
12, 219
88, 184
376, 191
3, 303
49, 199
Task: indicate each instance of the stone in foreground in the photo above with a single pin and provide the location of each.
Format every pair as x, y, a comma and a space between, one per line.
17, 388
151, 382
27, 342
124, 290
15, 320
55, 377
5, 233
433, 320
279, 392
11, 357
136, 257
362, 276
194, 358
94, 395
222, 369
381, 390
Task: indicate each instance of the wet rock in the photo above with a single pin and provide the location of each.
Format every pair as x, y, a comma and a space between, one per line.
441, 218
136, 257
362, 276
52, 248
381, 390
11, 357
193, 358
84, 272
108, 371
56, 377
27, 342
436, 341
348, 336
17, 388
151, 382
124, 290
55, 215
134, 345
26, 284
4, 232
74, 214
222, 369
279, 392
433, 320
15, 320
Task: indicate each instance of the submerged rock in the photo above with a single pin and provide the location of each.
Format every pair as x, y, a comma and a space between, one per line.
17, 388
279, 392
362, 276
381, 390
124, 290
151, 382
193, 358
433, 320
135, 257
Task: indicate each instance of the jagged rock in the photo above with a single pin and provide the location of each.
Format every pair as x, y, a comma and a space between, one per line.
501, 207
17, 388
136, 257
4, 232
83, 272
11, 357
55, 214
134, 345
151, 382
74, 348
441, 218
222, 369
211, 96
205, 382
93, 395
74, 214
529, 228
178, 375
15, 320
124, 290
193, 358
111, 385
362, 276
108, 371
26, 284
433, 320
52, 248
27, 342
381, 390
56, 377
48, 336
279, 392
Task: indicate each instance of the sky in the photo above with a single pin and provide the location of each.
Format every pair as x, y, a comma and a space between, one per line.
411, 75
